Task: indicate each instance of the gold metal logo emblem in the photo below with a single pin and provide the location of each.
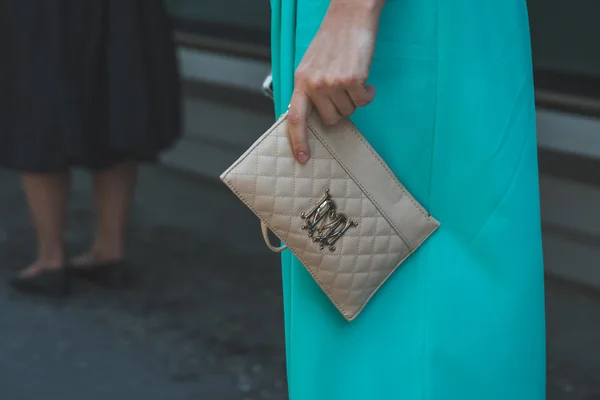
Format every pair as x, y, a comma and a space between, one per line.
325, 225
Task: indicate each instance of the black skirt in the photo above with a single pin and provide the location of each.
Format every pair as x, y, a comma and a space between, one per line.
86, 83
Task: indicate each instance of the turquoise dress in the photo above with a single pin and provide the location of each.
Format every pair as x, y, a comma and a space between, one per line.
454, 117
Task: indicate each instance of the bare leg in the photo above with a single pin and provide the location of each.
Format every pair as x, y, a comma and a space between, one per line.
47, 196
114, 189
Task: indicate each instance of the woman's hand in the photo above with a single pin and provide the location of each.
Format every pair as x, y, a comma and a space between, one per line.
333, 73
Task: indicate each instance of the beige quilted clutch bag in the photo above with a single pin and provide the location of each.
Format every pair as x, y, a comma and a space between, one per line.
343, 214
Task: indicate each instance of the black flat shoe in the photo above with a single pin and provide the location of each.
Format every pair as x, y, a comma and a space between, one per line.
112, 274
49, 282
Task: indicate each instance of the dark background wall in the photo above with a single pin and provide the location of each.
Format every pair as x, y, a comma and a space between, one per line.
566, 35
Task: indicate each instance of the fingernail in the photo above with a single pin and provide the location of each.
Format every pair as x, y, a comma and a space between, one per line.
302, 157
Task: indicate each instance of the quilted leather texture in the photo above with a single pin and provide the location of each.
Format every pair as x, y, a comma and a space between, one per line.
279, 190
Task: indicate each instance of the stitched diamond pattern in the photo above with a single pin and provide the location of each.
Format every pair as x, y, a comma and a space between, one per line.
278, 189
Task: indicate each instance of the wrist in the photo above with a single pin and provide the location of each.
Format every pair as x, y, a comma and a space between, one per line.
368, 8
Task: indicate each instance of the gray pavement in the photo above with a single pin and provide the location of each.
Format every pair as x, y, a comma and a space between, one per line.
204, 320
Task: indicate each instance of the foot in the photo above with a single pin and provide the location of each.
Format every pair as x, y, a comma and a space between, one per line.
93, 259
43, 277
109, 271
40, 267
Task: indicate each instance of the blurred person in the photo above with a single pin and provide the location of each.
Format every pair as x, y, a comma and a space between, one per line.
443, 90
90, 84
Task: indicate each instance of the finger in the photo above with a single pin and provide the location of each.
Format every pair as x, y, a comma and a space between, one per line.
300, 107
327, 110
344, 104
361, 95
